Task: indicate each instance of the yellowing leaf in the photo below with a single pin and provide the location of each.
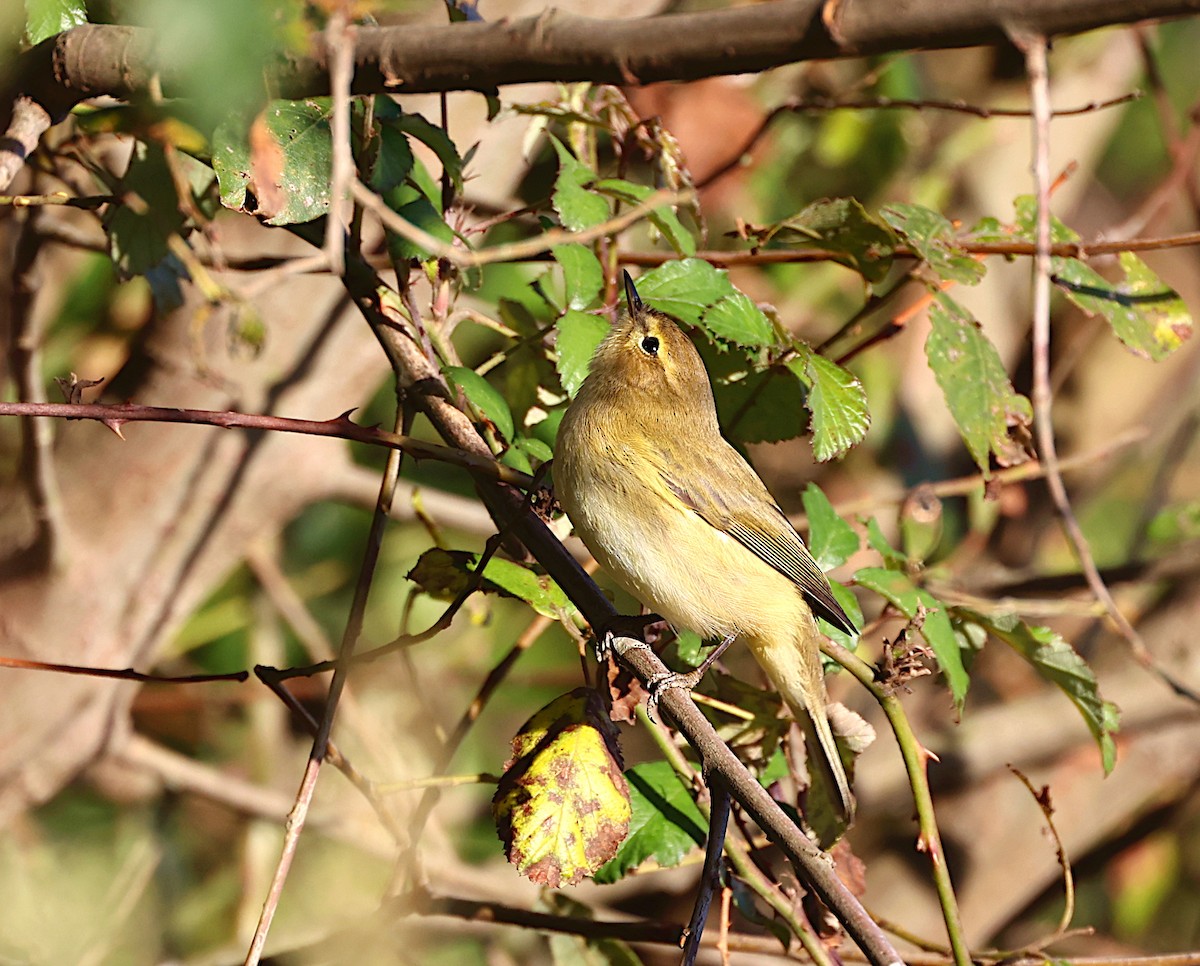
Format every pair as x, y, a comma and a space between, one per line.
562, 806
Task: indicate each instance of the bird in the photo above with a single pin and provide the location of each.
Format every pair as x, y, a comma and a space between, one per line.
683, 523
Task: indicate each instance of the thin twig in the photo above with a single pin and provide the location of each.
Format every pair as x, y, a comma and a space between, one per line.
710, 878
320, 747
824, 105
1034, 47
341, 427
121, 674
513, 251
339, 42
916, 759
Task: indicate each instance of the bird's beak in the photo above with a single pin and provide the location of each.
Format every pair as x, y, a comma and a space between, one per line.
631, 296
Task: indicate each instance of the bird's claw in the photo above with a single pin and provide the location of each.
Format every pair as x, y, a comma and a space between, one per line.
657, 686
628, 627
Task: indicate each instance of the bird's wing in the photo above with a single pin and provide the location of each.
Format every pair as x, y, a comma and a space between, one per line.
728, 495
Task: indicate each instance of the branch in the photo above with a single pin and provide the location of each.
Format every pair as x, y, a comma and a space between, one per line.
338, 428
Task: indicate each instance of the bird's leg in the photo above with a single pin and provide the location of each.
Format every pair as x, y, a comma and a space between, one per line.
631, 627
685, 682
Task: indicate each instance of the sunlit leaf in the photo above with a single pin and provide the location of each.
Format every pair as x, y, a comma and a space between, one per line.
1148, 316
991, 416
1058, 662
663, 218
583, 275
45, 18
665, 826
686, 289
284, 162
483, 397
932, 236
837, 401
577, 205
444, 574
735, 318
831, 540
562, 807
578, 336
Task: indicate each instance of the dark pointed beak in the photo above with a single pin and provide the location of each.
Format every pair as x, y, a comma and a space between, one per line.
631, 296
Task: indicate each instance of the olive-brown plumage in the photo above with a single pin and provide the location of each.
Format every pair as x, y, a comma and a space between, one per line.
683, 523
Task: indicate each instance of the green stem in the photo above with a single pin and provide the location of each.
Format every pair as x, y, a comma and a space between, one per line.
915, 759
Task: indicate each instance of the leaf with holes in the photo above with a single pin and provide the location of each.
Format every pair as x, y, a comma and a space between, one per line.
284, 162
991, 416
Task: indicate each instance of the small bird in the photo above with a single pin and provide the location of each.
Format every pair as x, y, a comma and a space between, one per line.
681, 521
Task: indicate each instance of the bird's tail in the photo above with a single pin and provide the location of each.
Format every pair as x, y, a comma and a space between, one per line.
793, 663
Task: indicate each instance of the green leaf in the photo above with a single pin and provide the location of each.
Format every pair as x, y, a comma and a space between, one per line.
393, 161
45, 18
837, 401
413, 205
735, 318
842, 226
666, 824
437, 141
685, 289
1055, 660
444, 574
578, 336
691, 648
977, 389
483, 397
831, 540
1152, 328
583, 275
664, 218
932, 236
893, 559
286, 162
138, 239
577, 206
930, 617
763, 407
844, 596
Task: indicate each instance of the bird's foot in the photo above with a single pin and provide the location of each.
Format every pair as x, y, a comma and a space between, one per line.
658, 686
631, 628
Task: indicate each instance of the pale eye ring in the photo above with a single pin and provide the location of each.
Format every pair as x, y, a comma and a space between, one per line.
650, 345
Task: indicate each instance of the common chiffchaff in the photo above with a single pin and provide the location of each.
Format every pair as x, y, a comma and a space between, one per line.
683, 523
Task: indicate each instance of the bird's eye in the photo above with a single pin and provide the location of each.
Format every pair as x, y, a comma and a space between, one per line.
650, 345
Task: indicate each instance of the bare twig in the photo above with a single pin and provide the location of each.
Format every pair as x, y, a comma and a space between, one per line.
823, 105
1034, 47
512, 251
350, 636
710, 878
339, 42
340, 427
121, 674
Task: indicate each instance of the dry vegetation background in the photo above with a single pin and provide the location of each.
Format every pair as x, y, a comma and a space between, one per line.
142, 822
